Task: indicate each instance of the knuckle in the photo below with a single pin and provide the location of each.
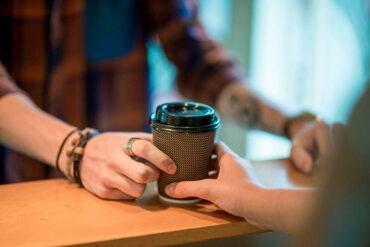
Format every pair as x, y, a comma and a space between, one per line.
104, 178
143, 147
111, 164
103, 192
155, 175
205, 192
143, 175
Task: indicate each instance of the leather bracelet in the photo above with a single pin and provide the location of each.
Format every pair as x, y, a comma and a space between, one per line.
303, 116
78, 150
75, 152
61, 147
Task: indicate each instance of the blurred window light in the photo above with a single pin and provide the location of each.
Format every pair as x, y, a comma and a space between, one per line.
306, 55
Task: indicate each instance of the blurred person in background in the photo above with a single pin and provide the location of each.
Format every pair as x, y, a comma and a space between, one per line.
336, 213
85, 63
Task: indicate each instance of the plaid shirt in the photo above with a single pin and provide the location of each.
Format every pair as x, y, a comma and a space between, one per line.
42, 48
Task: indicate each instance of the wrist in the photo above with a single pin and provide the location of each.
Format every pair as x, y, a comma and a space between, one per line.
293, 124
63, 160
74, 151
253, 204
249, 193
295, 127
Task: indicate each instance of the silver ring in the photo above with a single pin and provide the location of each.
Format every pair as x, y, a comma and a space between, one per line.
129, 145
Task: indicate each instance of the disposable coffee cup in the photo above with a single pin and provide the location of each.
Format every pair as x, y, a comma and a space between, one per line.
186, 132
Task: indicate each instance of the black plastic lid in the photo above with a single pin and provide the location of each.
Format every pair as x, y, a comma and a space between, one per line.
185, 115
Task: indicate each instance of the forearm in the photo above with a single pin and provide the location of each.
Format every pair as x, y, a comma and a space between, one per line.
25, 128
280, 210
240, 103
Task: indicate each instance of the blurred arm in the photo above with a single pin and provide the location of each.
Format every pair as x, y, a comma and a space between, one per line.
278, 209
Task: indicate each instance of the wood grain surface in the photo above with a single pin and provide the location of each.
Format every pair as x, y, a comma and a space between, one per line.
55, 212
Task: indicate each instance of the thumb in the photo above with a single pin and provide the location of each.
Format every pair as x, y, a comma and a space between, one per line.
200, 188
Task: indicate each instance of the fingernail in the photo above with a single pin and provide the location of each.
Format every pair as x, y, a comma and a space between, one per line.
171, 168
169, 189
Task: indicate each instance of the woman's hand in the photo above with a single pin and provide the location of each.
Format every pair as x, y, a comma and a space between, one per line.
110, 173
238, 191
236, 179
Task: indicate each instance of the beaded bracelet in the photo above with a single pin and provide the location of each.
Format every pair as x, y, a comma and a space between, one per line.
76, 151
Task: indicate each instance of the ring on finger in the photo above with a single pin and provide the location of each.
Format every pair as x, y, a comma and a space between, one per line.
129, 145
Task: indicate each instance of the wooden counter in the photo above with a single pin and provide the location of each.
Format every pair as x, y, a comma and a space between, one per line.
55, 212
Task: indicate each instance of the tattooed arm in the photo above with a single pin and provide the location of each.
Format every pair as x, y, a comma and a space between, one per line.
309, 138
241, 104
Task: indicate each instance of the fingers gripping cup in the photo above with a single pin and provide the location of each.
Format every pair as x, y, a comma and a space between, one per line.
185, 131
